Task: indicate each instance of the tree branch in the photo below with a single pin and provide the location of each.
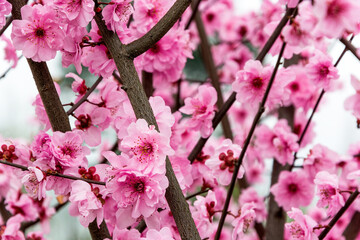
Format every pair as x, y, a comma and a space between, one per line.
144, 43
352, 229
147, 82
142, 109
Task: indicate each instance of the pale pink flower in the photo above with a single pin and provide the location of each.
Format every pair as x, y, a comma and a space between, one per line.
163, 234
321, 71
250, 195
202, 109
125, 234
116, 14
327, 189
72, 51
78, 12
38, 35
147, 145
10, 52
336, 16
242, 223
34, 183
351, 103
320, 158
5, 9
293, 189
223, 161
148, 12
86, 203
302, 226
68, 150
12, 229
137, 194
22, 204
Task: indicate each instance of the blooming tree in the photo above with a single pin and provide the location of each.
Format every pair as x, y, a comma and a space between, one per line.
167, 175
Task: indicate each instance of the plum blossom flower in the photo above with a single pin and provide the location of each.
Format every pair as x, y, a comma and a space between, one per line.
251, 83
320, 158
147, 145
327, 189
10, 52
116, 14
224, 161
202, 108
23, 205
250, 195
302, 226
78, 12
163, 234
321, 71
290, 3
242, 223
34, 183
5, 9
67, 148
12, 229
293, 189
136, 193
336, 16
86, 202
38, 34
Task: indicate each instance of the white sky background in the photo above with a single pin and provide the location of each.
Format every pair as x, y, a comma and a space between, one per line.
335, 127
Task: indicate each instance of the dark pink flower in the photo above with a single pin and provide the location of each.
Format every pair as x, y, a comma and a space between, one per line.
116, 14
10, 52
293, 189
38, 34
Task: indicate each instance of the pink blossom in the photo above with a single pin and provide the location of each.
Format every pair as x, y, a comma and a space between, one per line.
166, 59
321, 71
35, 236
202, 108
78, 12
22, 204
250, 195
5, 9
125, 234
38, 35
302, 226
320, 158
72, 51
116, 14
336, 16
224, 161
163, 234
351, 103
242, 223
147, 145
293, 189
137, 194
86, 202
149, 12
12, 229
327, 189
251, 83
10, 52
34, 183
67, 149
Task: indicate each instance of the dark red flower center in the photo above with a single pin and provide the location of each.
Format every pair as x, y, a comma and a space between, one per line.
40, 32
293, 188
257, 82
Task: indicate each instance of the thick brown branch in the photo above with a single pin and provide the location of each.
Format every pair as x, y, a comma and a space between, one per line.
211, 69
351, 47
144, 43
98, 233
352, 229
142, 109
7, 24
147, 82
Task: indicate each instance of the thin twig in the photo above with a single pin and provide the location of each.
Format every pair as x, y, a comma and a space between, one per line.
351, 47
7, 24
197, 193
193, 13
9, 68
338, 215
247, 142
84, 98
24, 168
